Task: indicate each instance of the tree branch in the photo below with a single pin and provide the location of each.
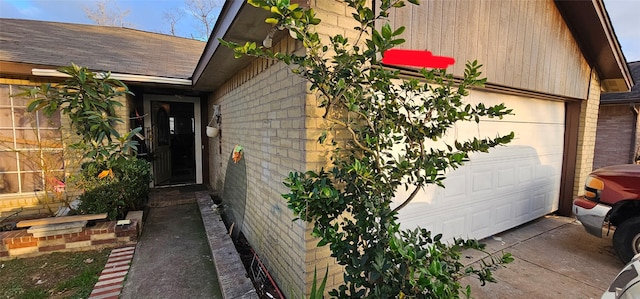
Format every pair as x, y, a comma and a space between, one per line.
408, 200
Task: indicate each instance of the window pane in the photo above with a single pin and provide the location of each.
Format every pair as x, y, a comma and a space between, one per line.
29, 161
6, 139
8, 183
8, 161
32, 181
5, 117
23, 155
23, 118
19, 101
26, 139
49, 122
53, 161
52, 138
4, 95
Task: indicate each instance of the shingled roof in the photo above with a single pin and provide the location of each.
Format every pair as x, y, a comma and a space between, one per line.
100, 48
632, 96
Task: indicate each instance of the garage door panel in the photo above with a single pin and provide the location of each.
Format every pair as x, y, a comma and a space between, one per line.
501, 189
479, 220
454, 227
506, 178
488, 216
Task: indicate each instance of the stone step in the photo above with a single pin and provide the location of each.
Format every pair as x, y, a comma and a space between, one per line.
57, 229
158, 202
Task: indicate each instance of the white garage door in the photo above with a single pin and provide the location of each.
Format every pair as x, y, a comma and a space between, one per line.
506, 187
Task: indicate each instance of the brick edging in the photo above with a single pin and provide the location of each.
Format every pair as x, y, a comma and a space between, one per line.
232, 277
111, 279
20, 243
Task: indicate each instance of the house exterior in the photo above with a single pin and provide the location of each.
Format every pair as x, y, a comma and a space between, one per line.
548, 60
156, 67
619, 125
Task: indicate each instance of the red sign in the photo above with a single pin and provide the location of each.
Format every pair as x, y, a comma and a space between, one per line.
415, 58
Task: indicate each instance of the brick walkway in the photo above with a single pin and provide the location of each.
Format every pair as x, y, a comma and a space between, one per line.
112, 277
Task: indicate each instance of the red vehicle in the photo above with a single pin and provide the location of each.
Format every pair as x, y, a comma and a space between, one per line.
612, 199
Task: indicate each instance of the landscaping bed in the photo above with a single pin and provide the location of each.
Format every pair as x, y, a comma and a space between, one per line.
96, 235
265, 287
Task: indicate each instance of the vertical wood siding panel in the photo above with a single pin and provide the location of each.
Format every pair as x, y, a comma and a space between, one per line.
529, 27
472, 35
434, 22
582, 89
556, 68
549, 48
448, 35
493, 69
539, 47
483, 36
575, 82
504, 50
403, 18
511, 69
524, 44
549, 51
461, 28
562, 58
520, 44
566, 62
419, 27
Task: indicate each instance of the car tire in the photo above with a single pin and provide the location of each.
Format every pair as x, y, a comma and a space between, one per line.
626, 239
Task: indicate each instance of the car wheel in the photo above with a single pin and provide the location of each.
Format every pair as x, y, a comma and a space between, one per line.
626, 239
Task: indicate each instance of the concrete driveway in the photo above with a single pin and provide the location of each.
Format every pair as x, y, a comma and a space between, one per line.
554, 258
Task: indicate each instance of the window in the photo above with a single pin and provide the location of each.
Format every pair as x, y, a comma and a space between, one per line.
30, 146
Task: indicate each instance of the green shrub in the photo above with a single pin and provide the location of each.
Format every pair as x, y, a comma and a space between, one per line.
125, 188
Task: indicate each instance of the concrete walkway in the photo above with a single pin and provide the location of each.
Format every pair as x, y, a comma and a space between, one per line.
172, 258
554, 258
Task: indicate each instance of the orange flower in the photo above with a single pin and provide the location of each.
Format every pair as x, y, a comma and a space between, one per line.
105, 173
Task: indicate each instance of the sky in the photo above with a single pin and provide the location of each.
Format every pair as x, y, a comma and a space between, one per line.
147, 15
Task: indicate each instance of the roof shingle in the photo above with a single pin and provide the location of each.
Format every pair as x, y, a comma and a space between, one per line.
100, 48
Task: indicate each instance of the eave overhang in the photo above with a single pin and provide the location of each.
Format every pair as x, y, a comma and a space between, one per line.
592, 29
241, 22
238, 22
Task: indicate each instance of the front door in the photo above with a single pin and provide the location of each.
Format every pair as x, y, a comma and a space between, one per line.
161, 142
175, 139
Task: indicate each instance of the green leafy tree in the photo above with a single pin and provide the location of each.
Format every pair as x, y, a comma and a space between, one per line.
89, 100
112, 178
388, 123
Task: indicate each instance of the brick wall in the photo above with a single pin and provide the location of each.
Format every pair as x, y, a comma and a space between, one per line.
19, 243
587, 134
26, 204
615, 136
263, 110
269, 111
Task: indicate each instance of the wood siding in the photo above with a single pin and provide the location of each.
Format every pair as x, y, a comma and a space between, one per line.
522, 44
